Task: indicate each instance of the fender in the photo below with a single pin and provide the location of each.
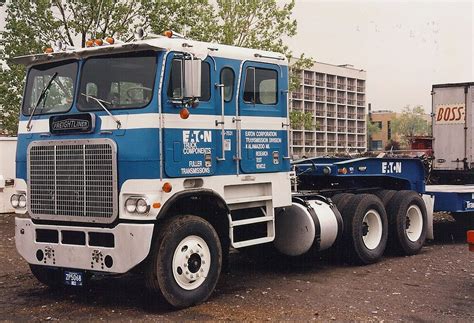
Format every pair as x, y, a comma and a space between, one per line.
192, 192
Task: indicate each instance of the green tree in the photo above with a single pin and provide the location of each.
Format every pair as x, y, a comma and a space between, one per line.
372, 127
33, 25
412, 122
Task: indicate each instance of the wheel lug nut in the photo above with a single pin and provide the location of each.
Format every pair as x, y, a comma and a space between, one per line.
203, 262
202, 270
185, 265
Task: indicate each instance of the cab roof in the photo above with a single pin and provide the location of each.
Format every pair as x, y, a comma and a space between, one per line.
199, 49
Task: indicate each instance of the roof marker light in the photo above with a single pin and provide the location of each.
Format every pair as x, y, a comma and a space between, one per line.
98, 42
89, 43
168, 33
110, 40
48, 50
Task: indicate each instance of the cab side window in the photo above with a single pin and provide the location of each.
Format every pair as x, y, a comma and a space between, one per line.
227, 79
260, 86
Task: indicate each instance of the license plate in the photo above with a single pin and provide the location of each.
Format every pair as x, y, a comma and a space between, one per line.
73, 278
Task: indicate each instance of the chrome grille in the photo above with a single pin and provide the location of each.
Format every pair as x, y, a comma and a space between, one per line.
73, 180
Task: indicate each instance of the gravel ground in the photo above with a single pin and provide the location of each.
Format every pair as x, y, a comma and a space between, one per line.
435, 285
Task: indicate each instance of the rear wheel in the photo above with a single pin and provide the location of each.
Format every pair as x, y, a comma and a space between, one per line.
341, 200
186, 261
385, 196
365, 229
51, 277
407, 222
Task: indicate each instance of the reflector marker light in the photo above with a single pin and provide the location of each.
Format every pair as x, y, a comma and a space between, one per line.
167, 187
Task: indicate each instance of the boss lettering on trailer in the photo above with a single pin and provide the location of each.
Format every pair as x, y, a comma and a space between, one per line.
391, 167
450, 113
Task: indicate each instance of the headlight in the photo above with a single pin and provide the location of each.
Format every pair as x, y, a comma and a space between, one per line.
142, 206
15, 200
131, 205
22, 201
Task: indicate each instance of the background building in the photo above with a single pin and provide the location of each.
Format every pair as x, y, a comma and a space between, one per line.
335, 98
383, 119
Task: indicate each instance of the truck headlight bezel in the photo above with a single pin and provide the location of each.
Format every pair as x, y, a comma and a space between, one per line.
137, 205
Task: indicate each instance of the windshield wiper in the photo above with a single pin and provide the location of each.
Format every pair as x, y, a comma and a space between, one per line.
101, 103
42, 95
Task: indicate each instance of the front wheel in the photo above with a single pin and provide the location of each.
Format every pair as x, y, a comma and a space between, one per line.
185, 262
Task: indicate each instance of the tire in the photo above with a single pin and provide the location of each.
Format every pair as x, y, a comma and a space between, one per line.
51, 277
341, 200
407, 223
385, 196
185, 261
365, 229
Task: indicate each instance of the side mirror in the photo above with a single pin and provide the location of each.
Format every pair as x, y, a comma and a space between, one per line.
192, 78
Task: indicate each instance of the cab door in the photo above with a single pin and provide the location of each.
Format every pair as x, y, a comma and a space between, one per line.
263, 118
189, 143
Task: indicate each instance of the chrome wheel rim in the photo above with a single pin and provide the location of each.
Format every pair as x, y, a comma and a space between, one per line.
191, 262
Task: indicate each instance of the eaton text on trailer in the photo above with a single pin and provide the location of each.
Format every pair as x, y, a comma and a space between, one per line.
162, 153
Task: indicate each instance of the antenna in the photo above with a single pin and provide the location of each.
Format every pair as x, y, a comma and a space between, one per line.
98, 18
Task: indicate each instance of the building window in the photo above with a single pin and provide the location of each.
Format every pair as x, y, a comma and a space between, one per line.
260, 86
376, 145
389, 131
378, 124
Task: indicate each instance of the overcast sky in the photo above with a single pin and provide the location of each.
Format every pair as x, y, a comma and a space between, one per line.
405, 46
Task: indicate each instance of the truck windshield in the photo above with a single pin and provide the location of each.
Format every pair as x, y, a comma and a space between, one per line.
59, 96
120, 81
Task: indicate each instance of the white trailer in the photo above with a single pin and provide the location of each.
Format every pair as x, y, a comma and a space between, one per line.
453, 124
7, 172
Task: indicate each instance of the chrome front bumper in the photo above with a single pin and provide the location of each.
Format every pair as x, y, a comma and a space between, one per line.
115, 250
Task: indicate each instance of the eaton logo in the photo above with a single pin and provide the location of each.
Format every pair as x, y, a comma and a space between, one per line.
391, 167
469, 205
196, 136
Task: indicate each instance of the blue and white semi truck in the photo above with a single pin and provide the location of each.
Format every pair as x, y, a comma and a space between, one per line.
159, 155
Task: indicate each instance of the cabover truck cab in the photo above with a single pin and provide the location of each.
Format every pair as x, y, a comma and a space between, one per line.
159, 155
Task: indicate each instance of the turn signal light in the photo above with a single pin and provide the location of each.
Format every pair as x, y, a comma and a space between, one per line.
48, 50
184, 113
156, 205
98, 42
167, 187
89, 43
168, 33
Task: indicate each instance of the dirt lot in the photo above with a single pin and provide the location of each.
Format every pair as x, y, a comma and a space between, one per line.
436, 285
